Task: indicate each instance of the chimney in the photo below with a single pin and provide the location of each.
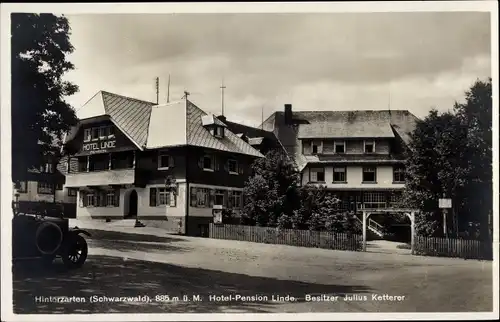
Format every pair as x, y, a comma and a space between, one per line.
288, 114
222, 118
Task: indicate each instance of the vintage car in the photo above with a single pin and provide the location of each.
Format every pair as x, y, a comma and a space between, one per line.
46, 236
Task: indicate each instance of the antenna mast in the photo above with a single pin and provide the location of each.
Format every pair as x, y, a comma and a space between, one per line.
157, 90
186, 94
222, 87
262, 117
168, 89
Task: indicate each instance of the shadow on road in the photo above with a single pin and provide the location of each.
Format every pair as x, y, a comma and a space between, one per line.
112, 276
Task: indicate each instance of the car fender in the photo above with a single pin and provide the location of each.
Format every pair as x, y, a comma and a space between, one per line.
78, 231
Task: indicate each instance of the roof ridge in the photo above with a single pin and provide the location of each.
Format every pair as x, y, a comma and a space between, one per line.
128, 97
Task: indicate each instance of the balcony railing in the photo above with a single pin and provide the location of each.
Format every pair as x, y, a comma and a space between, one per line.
101, 178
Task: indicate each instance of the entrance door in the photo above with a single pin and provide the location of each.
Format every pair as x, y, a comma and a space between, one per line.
132, 205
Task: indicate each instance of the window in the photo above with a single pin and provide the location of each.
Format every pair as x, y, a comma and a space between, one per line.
72, 192
90, 200
339, 146
369, 175
87, 135
317, 147
165, 161
47, 168
111, 132
219, 197
95, 133
203, 197
235, 199
208, 163
232, 166
110, 198
103, 132
45, 188
374, 200
339, 174
369, 146
395, 198
317, 175
23, 187
219, 131
399, 174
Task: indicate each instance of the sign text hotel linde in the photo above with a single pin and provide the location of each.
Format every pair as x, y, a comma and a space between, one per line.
97, 147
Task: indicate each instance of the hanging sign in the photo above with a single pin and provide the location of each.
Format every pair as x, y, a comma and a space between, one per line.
444, 203
101, 146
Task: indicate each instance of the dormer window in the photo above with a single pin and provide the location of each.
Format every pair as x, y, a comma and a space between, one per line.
87, 135
317, 147
218, 131
339, 146
369, 146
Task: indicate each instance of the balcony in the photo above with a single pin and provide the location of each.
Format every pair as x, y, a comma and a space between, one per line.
105, 178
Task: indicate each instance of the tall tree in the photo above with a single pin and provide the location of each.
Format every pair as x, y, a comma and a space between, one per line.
40, 114
271, 191
450, 154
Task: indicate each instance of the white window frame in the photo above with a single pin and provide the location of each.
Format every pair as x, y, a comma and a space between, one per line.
319, 145
335, 143
23, 187
219, 131
400, 171
235, 166
236, 198
45, 188
111, 132
376, 199
219, 192
368, 141
363, 173
49, 168
316, 174
212, 162
103, 132
344, 171
202, 193
90, 197
159, 161
97, 136
167, 195
112, 195
87, 135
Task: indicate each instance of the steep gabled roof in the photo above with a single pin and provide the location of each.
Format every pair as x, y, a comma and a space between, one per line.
154, 126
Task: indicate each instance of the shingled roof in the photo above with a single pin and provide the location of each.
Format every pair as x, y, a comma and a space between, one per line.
147, 124
338, 124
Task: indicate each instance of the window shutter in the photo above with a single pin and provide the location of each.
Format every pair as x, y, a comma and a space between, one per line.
226, 198
152, 197
200, 162
193, 198
103, 199
241, 170
170, 161
211, 198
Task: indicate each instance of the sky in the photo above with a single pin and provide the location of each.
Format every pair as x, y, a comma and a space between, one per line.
325, 61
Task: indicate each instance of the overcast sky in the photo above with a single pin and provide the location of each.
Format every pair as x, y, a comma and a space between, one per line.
331, 61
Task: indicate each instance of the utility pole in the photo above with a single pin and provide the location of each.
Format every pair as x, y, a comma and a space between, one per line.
157, 85
168, 89
222, 87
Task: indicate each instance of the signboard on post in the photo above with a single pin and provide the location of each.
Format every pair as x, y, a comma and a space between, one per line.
444, 203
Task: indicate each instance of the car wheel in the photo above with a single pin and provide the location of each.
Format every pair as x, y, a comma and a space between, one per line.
76, 252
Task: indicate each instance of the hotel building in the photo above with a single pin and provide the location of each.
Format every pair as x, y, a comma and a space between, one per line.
123, 149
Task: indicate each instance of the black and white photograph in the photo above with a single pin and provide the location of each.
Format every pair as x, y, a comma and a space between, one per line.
214, 161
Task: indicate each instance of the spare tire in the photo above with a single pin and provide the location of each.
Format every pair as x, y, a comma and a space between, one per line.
48, 238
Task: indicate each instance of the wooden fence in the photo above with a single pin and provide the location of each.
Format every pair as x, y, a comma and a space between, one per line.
452, 247
303, 238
